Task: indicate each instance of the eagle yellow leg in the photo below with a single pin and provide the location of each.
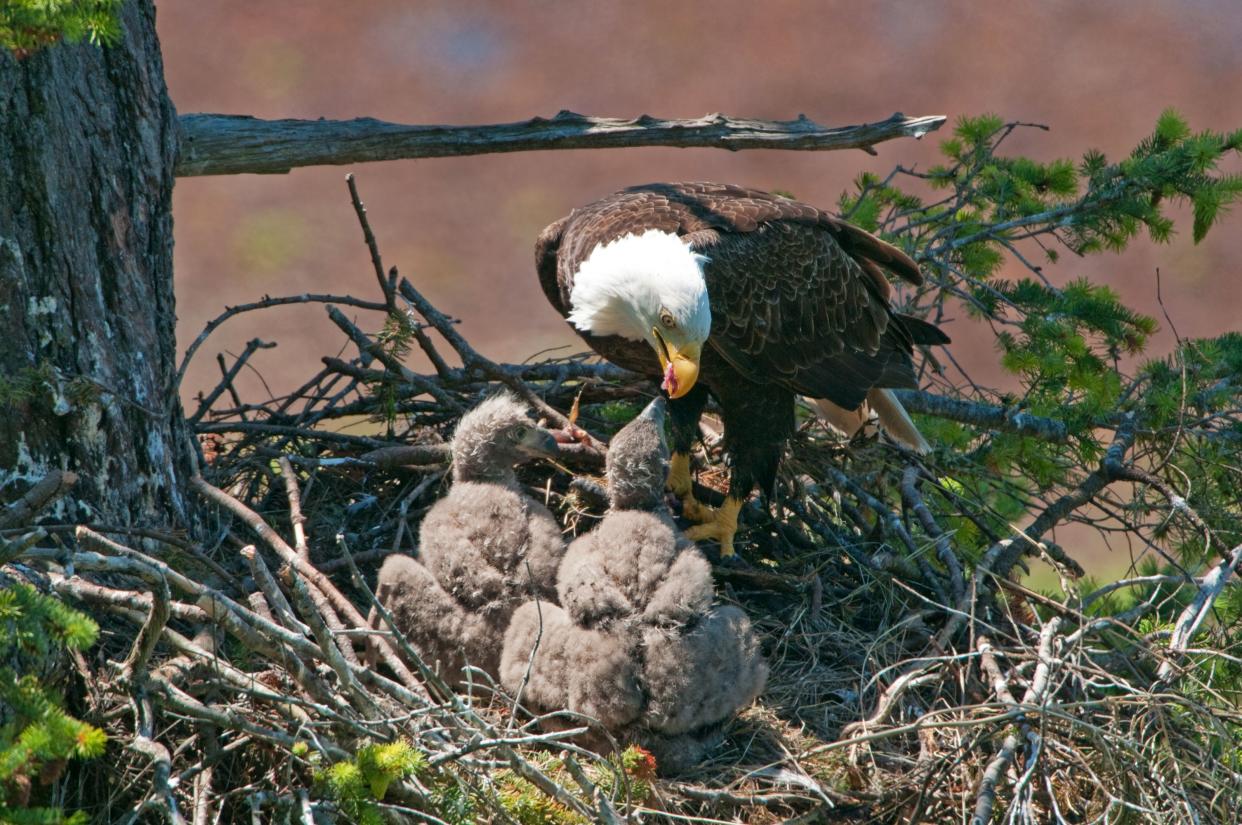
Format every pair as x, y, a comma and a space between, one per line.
681, 483
721, 526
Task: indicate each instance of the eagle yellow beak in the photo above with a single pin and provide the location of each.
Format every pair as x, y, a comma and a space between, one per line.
680, 367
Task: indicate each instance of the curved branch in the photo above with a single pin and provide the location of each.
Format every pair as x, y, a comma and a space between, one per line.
213, 144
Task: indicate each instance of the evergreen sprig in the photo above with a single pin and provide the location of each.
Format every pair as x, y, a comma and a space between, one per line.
28, 25
38, 735
358, 785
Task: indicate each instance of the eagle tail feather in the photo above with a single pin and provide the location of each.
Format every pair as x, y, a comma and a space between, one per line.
922, 332
896, 421
893, 418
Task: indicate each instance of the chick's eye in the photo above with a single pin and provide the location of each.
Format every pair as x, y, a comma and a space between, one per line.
667, 319
518, 434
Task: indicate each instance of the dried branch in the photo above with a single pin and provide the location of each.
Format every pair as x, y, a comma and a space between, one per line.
607, 813
54, 485
372, 348
1034, 697
296, 519
409, 455
252, 346
266, 303
914, 500
360, 209
134, 668
1192, 616
311, 607
270, 590
233, 144
290, 557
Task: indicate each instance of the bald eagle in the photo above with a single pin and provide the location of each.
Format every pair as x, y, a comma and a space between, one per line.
746, 296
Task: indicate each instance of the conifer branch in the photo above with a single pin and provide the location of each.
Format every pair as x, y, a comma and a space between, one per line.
213, 144
979, 414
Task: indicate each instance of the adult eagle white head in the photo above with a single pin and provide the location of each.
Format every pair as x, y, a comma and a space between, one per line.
747, 296
647, 286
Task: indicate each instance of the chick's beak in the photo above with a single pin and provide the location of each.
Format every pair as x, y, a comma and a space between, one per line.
539, 443
680, 367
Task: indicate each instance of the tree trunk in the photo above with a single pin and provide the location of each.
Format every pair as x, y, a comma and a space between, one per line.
88, 140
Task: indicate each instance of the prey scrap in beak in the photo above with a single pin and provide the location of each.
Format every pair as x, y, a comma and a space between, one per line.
680, 368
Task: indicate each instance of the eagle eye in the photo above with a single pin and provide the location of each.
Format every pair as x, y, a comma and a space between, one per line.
517, 433
667, 319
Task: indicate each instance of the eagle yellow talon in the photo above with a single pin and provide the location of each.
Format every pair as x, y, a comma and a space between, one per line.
721, 525
681, 483
696, 511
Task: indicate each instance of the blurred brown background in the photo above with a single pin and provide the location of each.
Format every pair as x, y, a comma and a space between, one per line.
1098, 73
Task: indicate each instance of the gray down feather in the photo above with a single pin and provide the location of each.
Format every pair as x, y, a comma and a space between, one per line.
576, 668
634, 566
638, 645
484, 548
637, 461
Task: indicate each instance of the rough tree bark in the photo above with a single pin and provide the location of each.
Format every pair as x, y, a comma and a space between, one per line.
88, 143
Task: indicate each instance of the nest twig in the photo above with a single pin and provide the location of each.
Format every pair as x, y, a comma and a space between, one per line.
898, 654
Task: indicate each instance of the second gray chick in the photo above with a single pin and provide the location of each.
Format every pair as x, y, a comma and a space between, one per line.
484, 548
637, 645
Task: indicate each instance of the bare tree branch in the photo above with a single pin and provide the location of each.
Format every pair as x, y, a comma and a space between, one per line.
214, 144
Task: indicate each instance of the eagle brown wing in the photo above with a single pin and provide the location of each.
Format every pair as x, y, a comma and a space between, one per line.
790, 306
798, 296
547, 253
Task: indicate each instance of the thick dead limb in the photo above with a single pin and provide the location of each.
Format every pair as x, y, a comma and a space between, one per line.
213, 144
54, 485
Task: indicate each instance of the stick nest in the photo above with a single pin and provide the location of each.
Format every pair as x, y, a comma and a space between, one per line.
912, 677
